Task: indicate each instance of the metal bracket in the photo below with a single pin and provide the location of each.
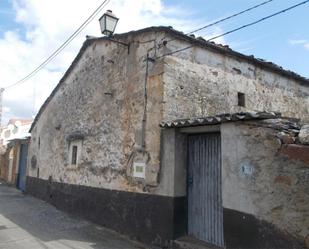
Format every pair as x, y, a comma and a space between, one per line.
120, 42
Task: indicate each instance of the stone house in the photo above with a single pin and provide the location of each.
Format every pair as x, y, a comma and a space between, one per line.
13, 156
119, 142
14, 163
15, 129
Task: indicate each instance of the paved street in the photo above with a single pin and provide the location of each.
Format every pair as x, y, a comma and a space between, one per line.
29, 223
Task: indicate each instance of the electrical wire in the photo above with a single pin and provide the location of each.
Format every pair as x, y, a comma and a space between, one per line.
230, 17
66, 43
92, 16
239, 28
227, 18
89, 19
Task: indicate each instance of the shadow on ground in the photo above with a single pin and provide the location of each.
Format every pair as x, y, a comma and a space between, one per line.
26, 222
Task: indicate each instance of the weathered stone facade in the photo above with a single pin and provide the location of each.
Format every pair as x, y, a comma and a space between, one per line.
102, 98
203, 83
264, 186
109, 105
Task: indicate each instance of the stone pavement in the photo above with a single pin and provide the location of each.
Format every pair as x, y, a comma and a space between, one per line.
29, 223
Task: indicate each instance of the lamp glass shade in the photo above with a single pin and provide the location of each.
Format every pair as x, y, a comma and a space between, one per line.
108, 23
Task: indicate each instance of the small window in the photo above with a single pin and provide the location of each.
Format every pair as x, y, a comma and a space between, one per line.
241, 99
74, 152
74, 155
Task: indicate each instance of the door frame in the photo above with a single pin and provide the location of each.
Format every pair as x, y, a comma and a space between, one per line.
11, 164
199, 130
23, 144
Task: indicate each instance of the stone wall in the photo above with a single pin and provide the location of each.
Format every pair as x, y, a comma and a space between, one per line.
100, 107
101, 103
201, 82
4, 164
261, 179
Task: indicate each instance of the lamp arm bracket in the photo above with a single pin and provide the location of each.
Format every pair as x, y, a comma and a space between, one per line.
120, 42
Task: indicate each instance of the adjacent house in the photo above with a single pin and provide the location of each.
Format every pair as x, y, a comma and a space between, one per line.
160, 135
14, 149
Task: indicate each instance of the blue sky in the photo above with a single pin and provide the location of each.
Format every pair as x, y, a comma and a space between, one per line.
31, 29
271, 40
280, 39
6, 17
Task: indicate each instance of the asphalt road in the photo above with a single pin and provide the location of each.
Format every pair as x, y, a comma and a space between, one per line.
29, 223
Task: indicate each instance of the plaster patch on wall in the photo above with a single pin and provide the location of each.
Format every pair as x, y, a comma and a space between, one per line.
259, 180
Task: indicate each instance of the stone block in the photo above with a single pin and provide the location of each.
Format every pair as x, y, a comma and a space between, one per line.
303, 135
286, 180
286, 138
297, 152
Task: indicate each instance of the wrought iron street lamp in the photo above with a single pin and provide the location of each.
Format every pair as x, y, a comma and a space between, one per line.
108, 23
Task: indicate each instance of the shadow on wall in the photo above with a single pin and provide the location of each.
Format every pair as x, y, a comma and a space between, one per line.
42, 224
244, 231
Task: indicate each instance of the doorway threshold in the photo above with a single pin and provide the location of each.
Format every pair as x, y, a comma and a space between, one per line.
189, 242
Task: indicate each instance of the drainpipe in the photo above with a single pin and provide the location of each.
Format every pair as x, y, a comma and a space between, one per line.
145, 105
148, 59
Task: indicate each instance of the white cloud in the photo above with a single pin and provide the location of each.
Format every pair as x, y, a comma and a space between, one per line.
302, 42
297, 42
45, 25
213, 32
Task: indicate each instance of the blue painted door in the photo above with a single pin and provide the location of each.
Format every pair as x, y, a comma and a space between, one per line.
22, 174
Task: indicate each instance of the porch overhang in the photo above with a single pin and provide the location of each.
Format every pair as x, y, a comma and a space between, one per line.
221, 118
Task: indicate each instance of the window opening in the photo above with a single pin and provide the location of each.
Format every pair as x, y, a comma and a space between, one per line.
74, 155
241, 99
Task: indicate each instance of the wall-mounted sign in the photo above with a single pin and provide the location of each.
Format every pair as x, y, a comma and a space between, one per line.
139, 169
246, 169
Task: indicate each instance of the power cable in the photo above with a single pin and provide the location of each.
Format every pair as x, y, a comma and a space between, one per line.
239, 28
227, 18
230, 17
92, 16
89, 19
58, 50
